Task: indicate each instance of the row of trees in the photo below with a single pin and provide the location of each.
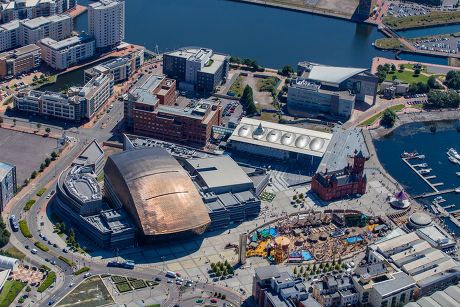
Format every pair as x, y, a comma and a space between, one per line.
318, 269
44, 165
441, 99
222, 268
247, 62
247, 100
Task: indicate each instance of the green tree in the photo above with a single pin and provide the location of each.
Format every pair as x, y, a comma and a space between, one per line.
393, 67
54, 155
14, 121
401, 68
440, 99
301, 270
287, 70
4, 234
42, 167
247, 100
295, 271
417, 71
453, 80
47, 130
39, 126
388, 119
33, 175
47, 161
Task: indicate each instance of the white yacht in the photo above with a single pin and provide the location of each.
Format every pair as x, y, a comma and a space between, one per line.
453, 153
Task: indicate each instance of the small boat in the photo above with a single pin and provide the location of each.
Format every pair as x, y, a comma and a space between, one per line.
420, 157
453, 153
424, 171
458, 174
438, 198
457, 190
453, 160
406, 154
421, 165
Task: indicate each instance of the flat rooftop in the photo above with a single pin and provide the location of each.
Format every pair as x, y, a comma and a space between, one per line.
193, 54
90, 155
281, 137
5, 168
65, 43
219, 171
217, 60
40, 21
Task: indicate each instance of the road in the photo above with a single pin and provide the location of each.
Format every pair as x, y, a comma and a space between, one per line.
105, 129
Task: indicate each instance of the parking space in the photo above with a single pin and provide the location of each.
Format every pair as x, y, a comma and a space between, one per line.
398, 9
448, 44
416, 99
26, 151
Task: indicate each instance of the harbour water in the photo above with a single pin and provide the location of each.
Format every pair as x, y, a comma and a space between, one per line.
276, 37
418, 137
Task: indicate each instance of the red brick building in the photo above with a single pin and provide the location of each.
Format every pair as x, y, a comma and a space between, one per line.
152, 109
341, 183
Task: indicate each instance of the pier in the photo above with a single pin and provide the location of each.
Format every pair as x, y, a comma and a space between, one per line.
432, 185
424, 195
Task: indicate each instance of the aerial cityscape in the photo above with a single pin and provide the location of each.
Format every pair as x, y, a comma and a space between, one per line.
230, 153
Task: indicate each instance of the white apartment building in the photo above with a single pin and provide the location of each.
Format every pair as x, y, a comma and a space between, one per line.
9, 35
57, 27
28, 9
95, 93
106, 22
78, 104
65, 53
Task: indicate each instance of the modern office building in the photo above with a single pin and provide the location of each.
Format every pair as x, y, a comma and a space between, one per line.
199, 69
227, 191
281, 142
329, 90
20, 60
8, 185
57, 27
351, 180
65, 53
411, 253
273, 287
157, 193
151, 109
106, 22
80, 200
21, 9
9, 35
121, 68
76, 105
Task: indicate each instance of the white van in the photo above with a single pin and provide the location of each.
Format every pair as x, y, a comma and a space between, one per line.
171, 274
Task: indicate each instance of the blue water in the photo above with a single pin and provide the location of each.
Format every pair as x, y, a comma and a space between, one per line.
354, 239
417, 136
430, 31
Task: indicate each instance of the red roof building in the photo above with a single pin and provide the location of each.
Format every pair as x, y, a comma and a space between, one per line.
350, 180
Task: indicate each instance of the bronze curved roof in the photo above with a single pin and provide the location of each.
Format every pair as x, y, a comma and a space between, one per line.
157, 192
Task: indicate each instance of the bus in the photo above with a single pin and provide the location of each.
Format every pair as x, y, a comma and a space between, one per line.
14, 223
171, 274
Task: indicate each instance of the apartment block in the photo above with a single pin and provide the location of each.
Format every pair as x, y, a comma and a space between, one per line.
65, 53
57, 27
9, 35
106, 22
20, 60
20, 9
197, 69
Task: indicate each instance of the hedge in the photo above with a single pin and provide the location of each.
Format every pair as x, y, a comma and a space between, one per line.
42, 246
24, 229
81, 271
49, 280
29, 204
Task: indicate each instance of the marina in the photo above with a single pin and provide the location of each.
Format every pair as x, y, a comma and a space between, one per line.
406, 157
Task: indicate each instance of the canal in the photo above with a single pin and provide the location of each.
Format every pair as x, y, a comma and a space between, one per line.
418, 137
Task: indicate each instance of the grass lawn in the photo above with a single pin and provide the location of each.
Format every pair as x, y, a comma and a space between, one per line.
138, 284
24, 229
66, 260
372, 119
118, 279
49, 280
237, 87
42, 246
433, 18
41, 192
29, 204
9, 292
15, 253
91, 292
123, 287
388, 43
267, 84
81, 271
407, 76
